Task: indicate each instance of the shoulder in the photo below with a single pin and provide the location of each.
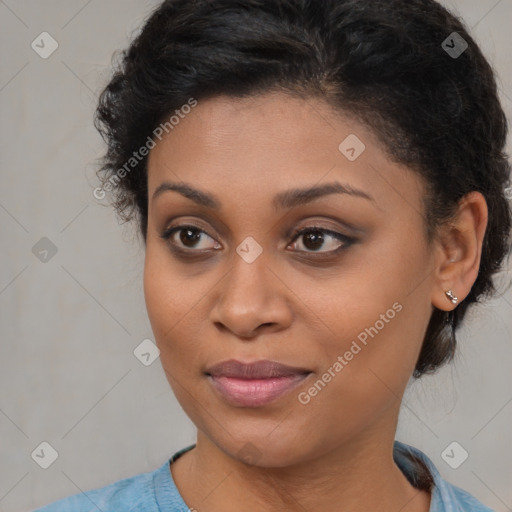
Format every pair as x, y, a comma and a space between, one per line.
129, 494
464, 500
446, 497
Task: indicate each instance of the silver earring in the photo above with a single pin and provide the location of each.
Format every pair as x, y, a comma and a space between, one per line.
451, 296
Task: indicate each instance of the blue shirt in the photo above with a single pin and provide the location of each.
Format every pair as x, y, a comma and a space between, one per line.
156, 491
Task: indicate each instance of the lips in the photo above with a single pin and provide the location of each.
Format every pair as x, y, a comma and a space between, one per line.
254, 384
257, 370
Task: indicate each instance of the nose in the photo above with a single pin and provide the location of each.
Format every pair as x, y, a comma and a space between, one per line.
252, 300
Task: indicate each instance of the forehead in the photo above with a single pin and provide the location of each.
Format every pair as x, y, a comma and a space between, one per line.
261, 145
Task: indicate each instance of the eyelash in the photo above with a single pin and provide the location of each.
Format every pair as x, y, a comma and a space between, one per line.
347, 241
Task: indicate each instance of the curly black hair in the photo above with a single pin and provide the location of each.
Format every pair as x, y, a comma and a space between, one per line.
408, 69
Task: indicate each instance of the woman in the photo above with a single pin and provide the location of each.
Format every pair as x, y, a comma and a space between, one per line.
321, 190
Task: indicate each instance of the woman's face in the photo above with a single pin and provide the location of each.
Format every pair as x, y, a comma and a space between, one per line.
348, 300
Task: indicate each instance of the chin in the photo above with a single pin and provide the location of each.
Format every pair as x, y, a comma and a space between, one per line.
262, 450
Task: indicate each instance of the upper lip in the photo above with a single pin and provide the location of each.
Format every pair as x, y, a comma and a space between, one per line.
256, 370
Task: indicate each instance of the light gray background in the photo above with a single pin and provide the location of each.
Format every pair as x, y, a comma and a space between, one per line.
69, 326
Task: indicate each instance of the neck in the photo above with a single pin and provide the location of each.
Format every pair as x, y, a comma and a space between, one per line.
356, 476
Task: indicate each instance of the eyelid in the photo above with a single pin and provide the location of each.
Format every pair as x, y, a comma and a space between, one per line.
340, 237
171, 230
345, 240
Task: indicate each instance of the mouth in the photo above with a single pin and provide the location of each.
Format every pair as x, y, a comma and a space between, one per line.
254, 384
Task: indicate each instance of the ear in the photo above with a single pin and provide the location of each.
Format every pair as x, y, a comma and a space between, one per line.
459, 250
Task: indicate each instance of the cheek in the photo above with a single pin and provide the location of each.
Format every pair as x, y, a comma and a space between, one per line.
165, 308
161, 298
166, 291
165, 296
173, 304
363, 375
372, 320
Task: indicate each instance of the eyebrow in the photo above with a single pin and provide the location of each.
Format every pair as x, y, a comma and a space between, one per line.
284, 200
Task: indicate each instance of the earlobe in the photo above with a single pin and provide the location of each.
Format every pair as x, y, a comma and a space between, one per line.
460, 248
451, 296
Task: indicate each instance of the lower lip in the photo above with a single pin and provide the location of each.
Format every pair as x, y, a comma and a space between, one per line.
255, 392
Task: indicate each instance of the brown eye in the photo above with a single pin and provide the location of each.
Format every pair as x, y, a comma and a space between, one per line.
188, 237
314, 238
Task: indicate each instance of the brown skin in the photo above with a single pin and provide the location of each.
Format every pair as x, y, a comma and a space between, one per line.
288, 307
